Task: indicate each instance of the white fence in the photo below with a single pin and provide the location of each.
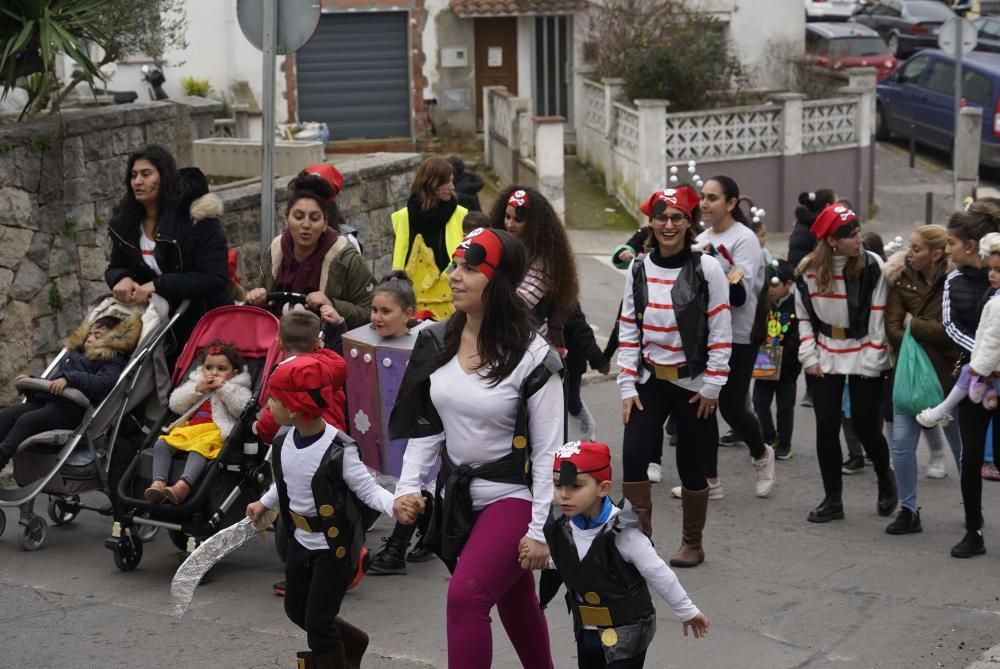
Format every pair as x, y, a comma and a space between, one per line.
634, 145
521, 148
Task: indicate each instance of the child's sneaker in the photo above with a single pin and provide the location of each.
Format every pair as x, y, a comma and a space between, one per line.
782, 452
714, 491
654, 472
990, 472
930, 418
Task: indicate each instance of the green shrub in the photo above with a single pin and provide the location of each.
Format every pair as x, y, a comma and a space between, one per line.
196, 86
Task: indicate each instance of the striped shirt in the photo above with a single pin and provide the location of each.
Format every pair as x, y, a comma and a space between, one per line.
867, 356
148, 246
661, 338
533, 290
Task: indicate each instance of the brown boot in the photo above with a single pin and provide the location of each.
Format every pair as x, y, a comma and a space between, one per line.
695, 505
305, 660
178, 492
355, 642
640, 496
330, 659
154, 493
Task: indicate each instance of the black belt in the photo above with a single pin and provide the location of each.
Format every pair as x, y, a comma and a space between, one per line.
840, 332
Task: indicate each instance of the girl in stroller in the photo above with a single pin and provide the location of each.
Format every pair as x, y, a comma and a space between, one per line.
98, 351
209, 404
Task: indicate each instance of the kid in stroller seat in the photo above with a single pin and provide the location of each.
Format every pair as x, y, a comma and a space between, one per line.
209, 404
97, 353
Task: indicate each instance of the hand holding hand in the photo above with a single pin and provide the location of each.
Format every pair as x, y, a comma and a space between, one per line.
815, 370
605, 368
58, 386
627, 405
705, 405
699, 626
532, 554
407, 507
141, 293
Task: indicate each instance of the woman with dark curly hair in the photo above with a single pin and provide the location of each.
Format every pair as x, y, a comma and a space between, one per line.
550, 287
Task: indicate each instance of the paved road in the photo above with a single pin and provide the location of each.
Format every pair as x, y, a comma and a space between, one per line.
780, 592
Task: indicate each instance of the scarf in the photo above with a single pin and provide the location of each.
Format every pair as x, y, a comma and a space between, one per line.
585, 523
431, 225
303, 277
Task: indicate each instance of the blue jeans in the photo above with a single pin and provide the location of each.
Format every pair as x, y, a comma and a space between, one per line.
905, 437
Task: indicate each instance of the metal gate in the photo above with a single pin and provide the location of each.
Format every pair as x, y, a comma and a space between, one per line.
552, 49
354, 75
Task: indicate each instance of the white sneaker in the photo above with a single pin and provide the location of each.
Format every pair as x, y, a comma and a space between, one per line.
765, 472
654, 472
714, 491
936, 468
927, 419
588, 426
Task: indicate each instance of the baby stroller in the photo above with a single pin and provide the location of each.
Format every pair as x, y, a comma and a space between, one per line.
236, 477
67, 463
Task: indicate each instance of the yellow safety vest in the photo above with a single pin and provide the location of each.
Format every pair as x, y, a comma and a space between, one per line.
429, 283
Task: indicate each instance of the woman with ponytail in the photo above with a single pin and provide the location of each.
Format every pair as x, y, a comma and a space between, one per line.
802, 241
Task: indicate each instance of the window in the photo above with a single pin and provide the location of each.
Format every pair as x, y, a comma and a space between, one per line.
977, 89
910, 74
928, 10
942, 77
815, 43
858, 47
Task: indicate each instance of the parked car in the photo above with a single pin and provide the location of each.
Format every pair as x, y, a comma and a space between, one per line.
839, 46
830, 10
905, 25
988, 33
918, 99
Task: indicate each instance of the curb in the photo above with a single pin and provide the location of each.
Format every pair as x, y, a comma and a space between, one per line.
989, 660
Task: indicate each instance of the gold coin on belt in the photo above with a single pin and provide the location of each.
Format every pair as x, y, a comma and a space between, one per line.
735, 276
609, 637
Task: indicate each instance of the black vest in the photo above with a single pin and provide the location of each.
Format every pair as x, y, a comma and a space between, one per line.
859, 302
603, 589
339, 509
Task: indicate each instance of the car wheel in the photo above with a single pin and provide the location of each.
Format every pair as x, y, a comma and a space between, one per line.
893, 44
881, 124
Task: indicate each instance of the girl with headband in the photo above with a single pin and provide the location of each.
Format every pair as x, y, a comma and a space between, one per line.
482, 392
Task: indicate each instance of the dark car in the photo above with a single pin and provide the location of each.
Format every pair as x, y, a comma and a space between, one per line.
988, 34
840, 46
918, 99
905, 25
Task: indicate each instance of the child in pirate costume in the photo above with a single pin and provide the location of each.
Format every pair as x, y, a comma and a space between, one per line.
608, 588
319, 486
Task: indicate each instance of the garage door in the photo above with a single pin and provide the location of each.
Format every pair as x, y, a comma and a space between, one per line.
354, 75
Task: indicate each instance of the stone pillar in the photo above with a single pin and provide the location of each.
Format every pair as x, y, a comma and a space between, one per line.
580, 72
520, 123
968, 138
614, 87
203, 111
550, 160
652, 148
241, 114
865, 133
791, 153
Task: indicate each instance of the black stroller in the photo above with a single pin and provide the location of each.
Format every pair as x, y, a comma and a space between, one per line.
239, 473
67, 463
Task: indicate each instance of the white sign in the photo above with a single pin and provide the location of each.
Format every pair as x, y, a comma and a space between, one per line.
957, 27
494, 56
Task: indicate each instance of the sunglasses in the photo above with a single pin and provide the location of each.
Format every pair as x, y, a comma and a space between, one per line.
662, 219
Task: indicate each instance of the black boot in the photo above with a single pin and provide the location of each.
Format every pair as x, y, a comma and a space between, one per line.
907, 522
831, 508
391, 559
305, 660
420, 553
330, 659
971, 544
888, 498
355, 642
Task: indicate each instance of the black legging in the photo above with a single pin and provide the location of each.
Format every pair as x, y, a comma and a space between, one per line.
973, 421
314, 592
645, 428
734, 408
20, 421
866, 417
764, 393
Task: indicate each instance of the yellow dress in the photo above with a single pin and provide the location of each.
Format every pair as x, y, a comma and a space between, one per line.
429, 283
203, 438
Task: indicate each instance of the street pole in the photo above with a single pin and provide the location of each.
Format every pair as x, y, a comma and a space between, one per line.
958, 107
270, 10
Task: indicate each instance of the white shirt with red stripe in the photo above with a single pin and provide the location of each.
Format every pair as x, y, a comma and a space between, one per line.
533, 289
661, 338
147, 246
867, 356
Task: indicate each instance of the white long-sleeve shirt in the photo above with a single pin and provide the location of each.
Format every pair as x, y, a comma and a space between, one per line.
742, 245
867, 356
661, 338
478, 420
298, 467
636, 548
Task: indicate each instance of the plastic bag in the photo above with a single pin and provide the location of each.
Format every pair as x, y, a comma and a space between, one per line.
916, 386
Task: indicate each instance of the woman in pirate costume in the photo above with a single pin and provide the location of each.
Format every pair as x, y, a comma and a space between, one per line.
482, 390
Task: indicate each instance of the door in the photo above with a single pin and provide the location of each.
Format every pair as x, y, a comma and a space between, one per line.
552, 49
936, 120
354, 75
906, 94
496, 58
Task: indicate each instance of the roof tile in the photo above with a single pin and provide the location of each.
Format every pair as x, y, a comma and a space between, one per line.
515, 7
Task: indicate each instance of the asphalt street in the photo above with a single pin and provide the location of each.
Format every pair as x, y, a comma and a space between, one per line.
780, 592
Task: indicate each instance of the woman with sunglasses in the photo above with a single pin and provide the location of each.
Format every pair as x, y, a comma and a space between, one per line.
674, 343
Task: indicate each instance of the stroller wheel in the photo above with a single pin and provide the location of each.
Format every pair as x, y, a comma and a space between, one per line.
63, 510
33, 531
128, 553
146, 533
178, 539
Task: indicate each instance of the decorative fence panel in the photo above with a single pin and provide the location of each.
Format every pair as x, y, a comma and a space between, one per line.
722, 133
829, 123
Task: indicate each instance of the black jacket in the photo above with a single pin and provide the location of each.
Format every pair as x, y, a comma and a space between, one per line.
961, 305
93, 378
802, 241
191, 251
467, 187
581, 346
777, 334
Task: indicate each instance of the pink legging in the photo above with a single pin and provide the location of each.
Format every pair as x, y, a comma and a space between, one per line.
487, 575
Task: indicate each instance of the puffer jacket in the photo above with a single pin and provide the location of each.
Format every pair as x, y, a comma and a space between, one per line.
94, 369
986, 352
961, 305
909, 294
228, 401
802, 241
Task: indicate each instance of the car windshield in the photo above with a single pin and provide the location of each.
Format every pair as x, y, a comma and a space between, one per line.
858, 46
927, 10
